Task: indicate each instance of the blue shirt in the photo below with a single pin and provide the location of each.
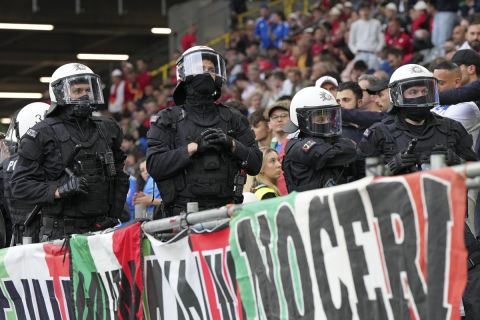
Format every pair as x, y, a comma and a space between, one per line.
279, 32
262, 32
149, 189
131, 191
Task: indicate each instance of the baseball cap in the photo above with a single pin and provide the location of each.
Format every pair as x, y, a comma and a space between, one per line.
116, 73
466, 57
325, 79
334, 11
420, 5
391, 6
284, 104
377, 85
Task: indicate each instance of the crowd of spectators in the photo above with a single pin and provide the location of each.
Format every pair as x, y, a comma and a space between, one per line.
347, 47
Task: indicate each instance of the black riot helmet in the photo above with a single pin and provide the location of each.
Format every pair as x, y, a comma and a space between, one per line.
199, 61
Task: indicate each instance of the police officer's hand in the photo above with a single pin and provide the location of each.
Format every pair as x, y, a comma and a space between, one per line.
401, 161
74, 185
218, 137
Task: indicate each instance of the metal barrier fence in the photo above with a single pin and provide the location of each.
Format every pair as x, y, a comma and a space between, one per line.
471, 170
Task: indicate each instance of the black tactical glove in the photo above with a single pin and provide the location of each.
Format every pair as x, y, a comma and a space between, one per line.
401, 161
74, 185
218, 137
203, 143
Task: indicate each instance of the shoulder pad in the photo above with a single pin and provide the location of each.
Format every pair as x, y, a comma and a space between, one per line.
226, 113
376, 126
170, 115
307, 145
51, 120
37, 129
110, 123
32, 133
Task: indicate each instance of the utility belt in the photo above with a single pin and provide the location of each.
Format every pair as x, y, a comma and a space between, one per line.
72, 225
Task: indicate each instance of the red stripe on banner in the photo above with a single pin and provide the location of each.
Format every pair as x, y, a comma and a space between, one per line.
214, 241
58, 262
458, 253
206, 242
413, 181
382, 256
126, 247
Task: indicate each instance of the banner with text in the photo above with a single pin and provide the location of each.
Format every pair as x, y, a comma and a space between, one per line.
35, 282
191, 278
389, 248
107, 274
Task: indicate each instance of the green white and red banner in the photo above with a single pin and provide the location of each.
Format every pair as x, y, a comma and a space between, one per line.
391, 248
191, 278
385, 248
107, 275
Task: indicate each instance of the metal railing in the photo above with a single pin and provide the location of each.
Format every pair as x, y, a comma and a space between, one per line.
471, 170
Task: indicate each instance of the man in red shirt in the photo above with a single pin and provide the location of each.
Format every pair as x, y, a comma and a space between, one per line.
397, 38
189, 39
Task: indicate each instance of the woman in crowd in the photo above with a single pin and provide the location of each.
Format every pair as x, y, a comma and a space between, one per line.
147, 196
265, 184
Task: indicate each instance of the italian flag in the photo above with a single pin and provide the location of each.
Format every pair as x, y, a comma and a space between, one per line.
107, 275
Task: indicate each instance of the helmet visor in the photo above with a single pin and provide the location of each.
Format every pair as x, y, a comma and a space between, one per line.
322, 122
80, 89
415, 93
199, 62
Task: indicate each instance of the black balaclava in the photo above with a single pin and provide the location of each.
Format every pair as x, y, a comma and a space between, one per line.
202, 88
201, 92
415, 113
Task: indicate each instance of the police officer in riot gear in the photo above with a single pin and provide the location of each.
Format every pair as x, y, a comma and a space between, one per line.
406, 139
318, 157
413, 92
16, 210
200, 151
71, 164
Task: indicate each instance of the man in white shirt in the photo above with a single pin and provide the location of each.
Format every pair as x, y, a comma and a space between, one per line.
449, 76
117, 92
366, 38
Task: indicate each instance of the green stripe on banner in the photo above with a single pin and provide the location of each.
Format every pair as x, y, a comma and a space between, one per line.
146, 251
3, 270
83, 268
266, 209
10, 315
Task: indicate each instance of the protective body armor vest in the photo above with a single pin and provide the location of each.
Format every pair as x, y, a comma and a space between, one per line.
17, 209
209, 180
93, 162
397, 140
302, 177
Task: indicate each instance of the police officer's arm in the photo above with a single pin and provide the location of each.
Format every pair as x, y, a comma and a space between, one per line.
245, 147
29, 182
163, 161
464, 142
363, 119
371, 144
469, 92
319, 154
